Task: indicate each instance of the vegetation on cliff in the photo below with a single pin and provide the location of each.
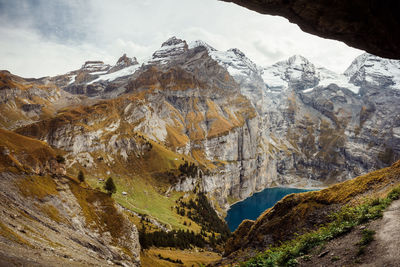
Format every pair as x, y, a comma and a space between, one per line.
343, 221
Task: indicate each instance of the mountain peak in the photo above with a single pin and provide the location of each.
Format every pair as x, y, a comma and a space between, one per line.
373, 70
356, 64
297, 71
169, 49
237, 52
173, 41
298, 60
126, 61
200, 43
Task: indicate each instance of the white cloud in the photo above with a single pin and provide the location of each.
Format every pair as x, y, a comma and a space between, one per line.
34, 46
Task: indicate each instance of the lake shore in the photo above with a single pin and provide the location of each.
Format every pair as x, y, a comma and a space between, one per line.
278, 186
253, 206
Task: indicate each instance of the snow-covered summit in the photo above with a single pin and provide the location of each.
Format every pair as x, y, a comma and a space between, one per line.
327, 77
298, 72
295, 70
375, 71
169, 49
200, 43
235, 61
125, 66
123, 62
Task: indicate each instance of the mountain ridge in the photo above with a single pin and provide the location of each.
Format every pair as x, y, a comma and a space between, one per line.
240, 127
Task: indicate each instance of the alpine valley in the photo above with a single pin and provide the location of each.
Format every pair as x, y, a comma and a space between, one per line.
184, 135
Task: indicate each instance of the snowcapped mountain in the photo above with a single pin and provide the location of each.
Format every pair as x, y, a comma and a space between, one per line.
233, 60
373, 71
303, 120
299, 73
245, 72
296, 72
169, 50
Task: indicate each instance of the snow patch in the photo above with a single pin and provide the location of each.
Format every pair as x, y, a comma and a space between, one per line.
113, 76
72, 79
308, 90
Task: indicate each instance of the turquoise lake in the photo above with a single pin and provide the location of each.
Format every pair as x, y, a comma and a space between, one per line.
252, 207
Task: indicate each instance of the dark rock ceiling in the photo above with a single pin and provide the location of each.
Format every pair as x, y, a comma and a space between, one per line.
370, 25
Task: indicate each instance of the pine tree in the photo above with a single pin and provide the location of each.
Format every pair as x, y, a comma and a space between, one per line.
81, 177
60, 159
109, 186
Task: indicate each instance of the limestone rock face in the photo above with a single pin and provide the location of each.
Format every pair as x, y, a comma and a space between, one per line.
332, 130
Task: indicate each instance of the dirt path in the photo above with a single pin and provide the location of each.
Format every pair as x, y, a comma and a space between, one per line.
385, 250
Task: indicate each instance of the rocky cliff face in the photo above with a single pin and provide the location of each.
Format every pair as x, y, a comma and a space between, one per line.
49, 218
247, 127
24, 101
336, 124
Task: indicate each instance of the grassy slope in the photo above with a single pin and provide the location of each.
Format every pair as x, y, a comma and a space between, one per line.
146, 182
150, 257
21, 152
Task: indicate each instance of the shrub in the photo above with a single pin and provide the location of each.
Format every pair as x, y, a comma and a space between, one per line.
81, 176
60, 159
367, 237
109, 186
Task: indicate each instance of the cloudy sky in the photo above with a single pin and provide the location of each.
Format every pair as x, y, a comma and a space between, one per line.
49, 37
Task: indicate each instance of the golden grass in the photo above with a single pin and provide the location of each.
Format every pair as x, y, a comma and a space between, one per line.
99, 210
149, 258
176, 138
37, 186
11, 235
52, 212
219, 124
29, 152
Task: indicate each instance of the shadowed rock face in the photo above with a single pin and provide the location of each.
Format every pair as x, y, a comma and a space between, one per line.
373, 26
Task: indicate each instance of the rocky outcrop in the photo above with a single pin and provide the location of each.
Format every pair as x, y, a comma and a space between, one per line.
24, 101
123, 62
96, 79
49, 221
372, 26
